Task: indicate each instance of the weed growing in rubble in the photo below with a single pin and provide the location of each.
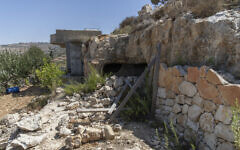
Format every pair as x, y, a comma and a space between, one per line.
170, 136
138, 108
139, 105
89, 85
236, 124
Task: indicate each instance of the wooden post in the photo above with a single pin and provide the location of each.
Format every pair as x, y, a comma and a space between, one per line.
133, 89
155, 80
119, 97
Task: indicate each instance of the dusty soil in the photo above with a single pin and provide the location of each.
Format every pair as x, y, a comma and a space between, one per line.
14, 102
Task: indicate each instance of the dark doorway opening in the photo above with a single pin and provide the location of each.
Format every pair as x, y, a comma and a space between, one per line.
124, 69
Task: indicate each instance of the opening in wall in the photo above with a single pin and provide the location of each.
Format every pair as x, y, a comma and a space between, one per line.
124, 69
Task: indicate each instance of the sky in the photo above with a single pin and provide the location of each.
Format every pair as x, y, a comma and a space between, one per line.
34, 20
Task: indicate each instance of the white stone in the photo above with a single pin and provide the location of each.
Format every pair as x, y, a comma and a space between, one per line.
224, 114
225, 146
224, 132
109, 133
188, 100
185, 109
209, 106
210, 140
25, 141
118, 83
30, 124
117, 127
193, 125
64, 131
169, 102
198, 100
176, 108
162, 93
180, 99
72, 106
194, 112
187, 88
207, 122
10, 119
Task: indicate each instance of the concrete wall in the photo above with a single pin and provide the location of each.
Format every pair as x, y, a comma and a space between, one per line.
198, 101
74, 58
63, 36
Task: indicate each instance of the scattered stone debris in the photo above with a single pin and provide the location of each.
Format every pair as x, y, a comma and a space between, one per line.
69, 122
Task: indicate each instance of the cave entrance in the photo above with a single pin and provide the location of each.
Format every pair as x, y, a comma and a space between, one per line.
124, 69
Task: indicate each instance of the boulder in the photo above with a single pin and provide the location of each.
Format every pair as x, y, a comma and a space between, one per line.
24, 141
185, 109
209, 106
10, 119
187, 88
224, 114
207, 122
162, 93
192, 125
91, 134
224, 132
198, 100
194, 112
169, 102
193, 74
180, 99
207, 90
108, 133
63, 132
30, 124
176, 108
214, 78
225, 146
210, 140
230, 93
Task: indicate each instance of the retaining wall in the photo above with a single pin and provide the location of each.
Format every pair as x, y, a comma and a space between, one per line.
198, 101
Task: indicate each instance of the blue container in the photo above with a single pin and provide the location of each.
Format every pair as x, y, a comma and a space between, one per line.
12, 90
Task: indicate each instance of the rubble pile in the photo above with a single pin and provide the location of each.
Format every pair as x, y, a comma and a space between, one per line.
62, 121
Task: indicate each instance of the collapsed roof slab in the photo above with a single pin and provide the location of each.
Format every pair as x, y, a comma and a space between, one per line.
77, 36
72, 40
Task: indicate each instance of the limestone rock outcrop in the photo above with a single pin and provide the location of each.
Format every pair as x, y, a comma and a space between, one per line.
191, 32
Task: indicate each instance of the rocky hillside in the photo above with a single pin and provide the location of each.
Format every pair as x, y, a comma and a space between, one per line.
46, 47
190, 32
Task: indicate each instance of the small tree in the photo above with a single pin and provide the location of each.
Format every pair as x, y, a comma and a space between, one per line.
49, 75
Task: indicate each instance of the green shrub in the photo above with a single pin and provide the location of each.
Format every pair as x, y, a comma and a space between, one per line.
10, 68
89, 85
14, 67
236, 125
73, 87
49, 75
32, 60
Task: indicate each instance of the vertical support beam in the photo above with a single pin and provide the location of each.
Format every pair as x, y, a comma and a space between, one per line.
155, 80
67, 45
76, 60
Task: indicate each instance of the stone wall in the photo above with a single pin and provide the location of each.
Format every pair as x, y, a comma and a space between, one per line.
198, 101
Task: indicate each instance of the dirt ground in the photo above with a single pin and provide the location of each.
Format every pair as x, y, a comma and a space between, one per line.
10, 103
134, 136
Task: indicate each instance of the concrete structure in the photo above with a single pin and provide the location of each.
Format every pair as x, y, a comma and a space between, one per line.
73, 41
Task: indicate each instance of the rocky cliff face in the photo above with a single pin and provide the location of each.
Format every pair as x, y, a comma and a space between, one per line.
191, 33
